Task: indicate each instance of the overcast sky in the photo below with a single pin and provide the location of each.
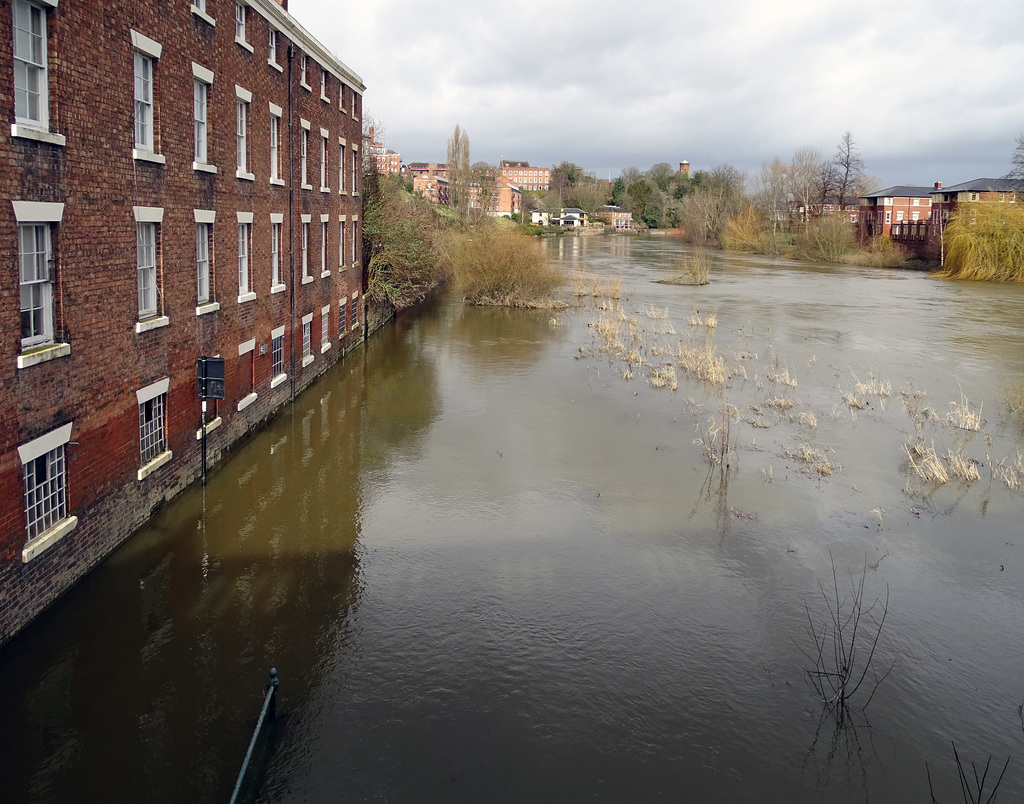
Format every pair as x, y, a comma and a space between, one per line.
931, 91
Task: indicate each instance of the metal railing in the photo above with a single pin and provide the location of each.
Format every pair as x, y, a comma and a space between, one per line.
269, 712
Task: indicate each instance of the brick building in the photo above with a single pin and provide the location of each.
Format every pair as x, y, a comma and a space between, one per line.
523, 176
182, 180
384, 160
621, 220
893, 206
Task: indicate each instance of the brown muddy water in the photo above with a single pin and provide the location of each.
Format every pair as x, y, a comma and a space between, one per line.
492, 565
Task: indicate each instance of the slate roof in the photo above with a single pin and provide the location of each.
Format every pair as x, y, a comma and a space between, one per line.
985, 186
903, 191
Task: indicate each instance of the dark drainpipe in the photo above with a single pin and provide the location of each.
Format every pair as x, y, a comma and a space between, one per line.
291, 227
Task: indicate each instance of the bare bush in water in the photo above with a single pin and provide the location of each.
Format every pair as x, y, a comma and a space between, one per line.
693, 269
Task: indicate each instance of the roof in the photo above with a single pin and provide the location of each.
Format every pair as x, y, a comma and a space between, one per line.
570, 210
901, 191
612, 208
505, 163
983, 186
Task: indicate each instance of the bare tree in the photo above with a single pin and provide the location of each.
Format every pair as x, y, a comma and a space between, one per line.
1017, 159
849, 167
771, 192
718, 197
458, 170
484, 176
803, 178
827, 183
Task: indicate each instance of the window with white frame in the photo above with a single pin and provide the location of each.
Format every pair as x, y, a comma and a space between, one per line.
323, 160
239, 22
35, 258
302, 70
341, 97
199, 113
153, 421
145, 241
275, 254
323, 248
241, 135
341, 167
244, 267
355, 233
342, 309
272, 54
277, 352
355, 171
355, 310
275, 156
305, 251
341, 242
143, 102
307, 329
323, 84
44, 468
303, 143
31, 90
203, 284
325, 328
199, 4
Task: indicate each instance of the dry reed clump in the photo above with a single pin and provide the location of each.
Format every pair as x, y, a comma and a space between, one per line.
776, 377
926, 463
873, 387
963, 415
1013, 396
580, 281
985, 242
496, 265
778, 402
650, 311
962, 466
613, 288
814, 459
881, 252
853, 402
1013, 474
701, 361
716, 441
694, 269
664, 377
808, 419
711, 320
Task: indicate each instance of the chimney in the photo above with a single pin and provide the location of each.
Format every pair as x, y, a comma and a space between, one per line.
938, 185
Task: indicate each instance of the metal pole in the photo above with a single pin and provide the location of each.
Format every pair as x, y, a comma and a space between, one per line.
269, 706
204, 441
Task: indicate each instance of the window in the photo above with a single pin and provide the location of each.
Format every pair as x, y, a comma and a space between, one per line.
31, 95
146, 259
323, 249
303, 142
277, 352
44, 469
341, 243
275, 144
355, 171
199, 5
341, 168
152, 421
888, 217
203, 262
323, 84
244, 284
199, 112
341, 97
241, 118
323, 161
143, 102
275, 255
325, 327
305, 251
355, 310
307, 347
272, 56
35, 258
239, 22
302, 70
353, 240
342, 309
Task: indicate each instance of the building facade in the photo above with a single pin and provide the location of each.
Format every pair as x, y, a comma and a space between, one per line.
894, 206
180, 181
523, 176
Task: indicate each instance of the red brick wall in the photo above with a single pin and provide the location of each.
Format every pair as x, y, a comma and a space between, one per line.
91, 79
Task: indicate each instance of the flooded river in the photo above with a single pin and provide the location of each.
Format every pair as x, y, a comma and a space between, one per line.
492, 565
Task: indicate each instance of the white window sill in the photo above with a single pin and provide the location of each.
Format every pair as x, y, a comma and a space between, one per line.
151, 323
342, 267
305, 86
275, 65
277, 182
280, 378
325, 189
243, 43
355, 327
148, 156
306, 280
204, 167
307, 360
155, 464
203, 16
41, 354
324, 274
211, 425
247, 297
324, 98
37, 134
241, 174
246, 400
325, 348
48, 539
277, 289
342, 191
306, 186
209, 307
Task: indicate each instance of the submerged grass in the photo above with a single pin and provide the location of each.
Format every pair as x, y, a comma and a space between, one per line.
694, 269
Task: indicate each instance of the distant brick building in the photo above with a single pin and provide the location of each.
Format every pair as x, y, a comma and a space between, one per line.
881, 210
523, 176
153, 215
384, 160
621, 220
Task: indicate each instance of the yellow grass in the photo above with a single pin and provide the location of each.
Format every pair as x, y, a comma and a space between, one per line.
664, 377
963, 415
701, 361
985, 241
926, 463
962, 466
694, 269
873, 387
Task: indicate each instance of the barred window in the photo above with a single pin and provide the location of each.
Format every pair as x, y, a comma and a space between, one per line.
277, 353
46, 502
307, 327
152, 415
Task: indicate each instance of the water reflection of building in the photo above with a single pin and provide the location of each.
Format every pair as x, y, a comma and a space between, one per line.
158, 216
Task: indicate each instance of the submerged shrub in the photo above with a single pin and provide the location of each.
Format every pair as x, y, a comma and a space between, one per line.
880, 252
826, 239
985, 241
495, 264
